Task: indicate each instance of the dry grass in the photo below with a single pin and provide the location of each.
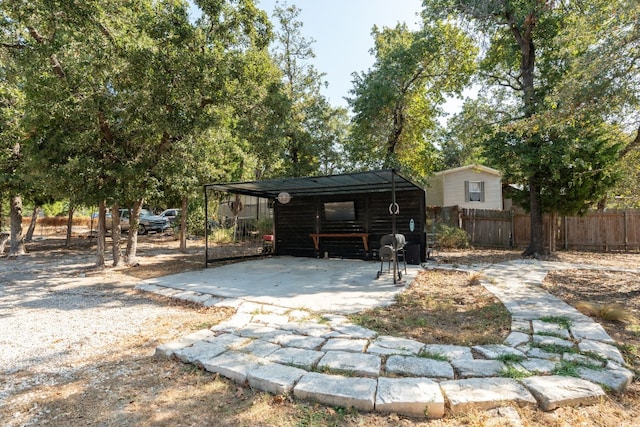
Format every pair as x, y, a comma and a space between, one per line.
446, 307
128, 386
475, 278
611, 298
611, 312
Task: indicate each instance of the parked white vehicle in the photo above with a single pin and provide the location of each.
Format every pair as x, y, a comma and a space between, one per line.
171, 214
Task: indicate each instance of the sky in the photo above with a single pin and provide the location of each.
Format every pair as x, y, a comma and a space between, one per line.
342, 33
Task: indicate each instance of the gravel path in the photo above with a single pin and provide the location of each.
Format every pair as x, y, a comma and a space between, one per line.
56, 315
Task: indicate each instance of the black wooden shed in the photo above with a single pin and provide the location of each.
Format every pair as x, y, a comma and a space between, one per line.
342, 215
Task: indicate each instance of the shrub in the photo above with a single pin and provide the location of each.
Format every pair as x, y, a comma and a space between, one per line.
222, 235
448, 237
195, 218
264, 226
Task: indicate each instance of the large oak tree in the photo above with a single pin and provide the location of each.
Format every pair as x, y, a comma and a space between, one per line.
555, 119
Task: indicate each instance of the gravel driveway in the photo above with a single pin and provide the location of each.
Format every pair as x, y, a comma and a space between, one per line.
56, 315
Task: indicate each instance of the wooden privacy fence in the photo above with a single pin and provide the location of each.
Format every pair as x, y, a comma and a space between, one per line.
488, 228
610, 230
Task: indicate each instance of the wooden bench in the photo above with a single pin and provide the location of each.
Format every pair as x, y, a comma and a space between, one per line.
316, 238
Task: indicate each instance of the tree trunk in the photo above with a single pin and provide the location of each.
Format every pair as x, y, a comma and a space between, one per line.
132, 241
116, 230
93, 232
536, 244
183, 226
102, 231
32, 225
394, 138
67, 243
16, 247
523, 35
4, 238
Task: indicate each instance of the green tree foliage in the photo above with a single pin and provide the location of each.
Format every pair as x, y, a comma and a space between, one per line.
461, 142
128, 102
574, 163
626, 193
554, 118
200, 83
67, 59
311, 131
397, 102
11, 110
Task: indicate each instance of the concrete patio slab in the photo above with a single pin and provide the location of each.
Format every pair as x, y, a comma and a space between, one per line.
323, 285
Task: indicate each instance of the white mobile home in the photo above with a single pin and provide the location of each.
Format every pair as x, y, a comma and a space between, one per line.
468, 187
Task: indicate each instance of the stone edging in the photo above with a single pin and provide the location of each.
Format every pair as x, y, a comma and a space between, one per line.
325, 358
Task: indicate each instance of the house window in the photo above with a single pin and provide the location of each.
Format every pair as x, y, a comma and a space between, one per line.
474, 191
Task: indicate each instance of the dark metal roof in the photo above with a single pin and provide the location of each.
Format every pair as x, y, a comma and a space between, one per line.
349, 183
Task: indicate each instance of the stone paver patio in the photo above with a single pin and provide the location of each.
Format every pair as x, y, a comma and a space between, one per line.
324, 358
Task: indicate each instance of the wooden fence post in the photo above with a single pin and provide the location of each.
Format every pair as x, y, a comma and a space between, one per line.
626, 235
513, 230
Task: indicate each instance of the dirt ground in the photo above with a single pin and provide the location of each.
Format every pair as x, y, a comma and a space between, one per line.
129, 386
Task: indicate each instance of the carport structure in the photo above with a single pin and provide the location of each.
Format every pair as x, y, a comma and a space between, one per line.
341, 215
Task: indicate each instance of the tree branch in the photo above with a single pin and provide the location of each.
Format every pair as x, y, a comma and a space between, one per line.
35, 34
104, 127
505, 82
205, 101
105, 31
13, 46
633, 145
57, 67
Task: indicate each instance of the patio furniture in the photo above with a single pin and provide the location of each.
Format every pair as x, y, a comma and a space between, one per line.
316, 238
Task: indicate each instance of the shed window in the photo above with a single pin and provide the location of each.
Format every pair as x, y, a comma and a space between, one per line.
474, 191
